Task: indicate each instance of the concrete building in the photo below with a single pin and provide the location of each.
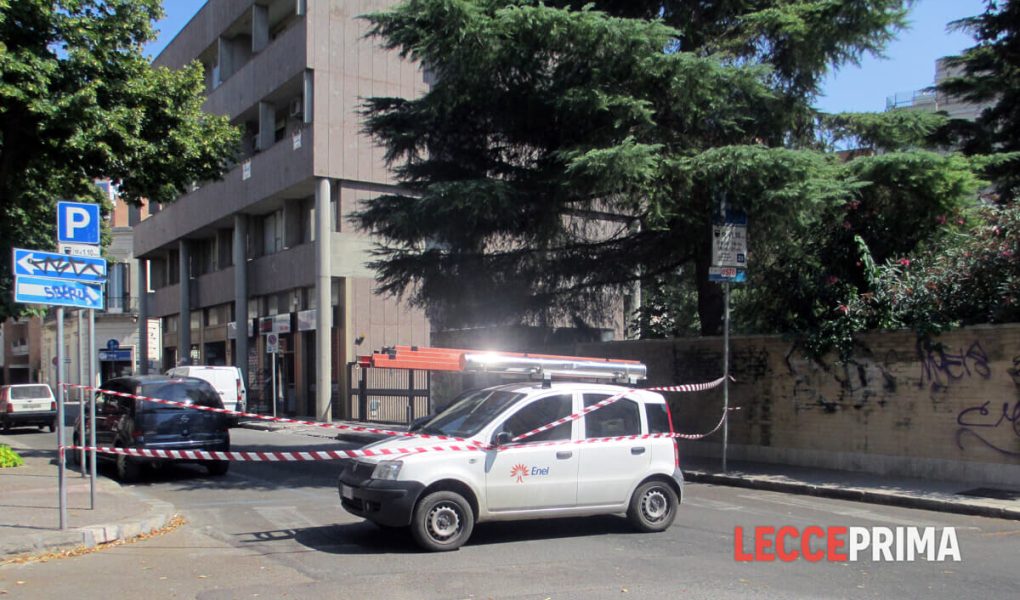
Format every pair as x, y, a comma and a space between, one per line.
928, 100
263, 250
20, 361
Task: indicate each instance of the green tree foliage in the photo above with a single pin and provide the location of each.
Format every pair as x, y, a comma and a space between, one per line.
79, 102
567, 148
989, 74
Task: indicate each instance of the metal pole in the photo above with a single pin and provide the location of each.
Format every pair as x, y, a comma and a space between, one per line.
61, 484
94, 381
273, 354
726, 372
81, 394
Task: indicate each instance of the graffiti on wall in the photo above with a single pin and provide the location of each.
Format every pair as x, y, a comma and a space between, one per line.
983, 420
940, 367
860, 382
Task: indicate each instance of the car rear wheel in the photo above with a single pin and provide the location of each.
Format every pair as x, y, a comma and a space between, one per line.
653, 507
442, 521
218, 467
6, 426
73, 457
52, 426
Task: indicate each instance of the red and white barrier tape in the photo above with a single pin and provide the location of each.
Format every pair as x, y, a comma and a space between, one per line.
274, 456
690, 387
321, 425
468, 444
312, 455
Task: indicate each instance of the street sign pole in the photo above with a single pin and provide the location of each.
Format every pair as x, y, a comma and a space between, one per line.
274, 382
726, 373
61, 483
94, 381
81, 392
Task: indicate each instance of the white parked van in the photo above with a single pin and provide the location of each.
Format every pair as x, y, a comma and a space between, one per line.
27, 404
228, 381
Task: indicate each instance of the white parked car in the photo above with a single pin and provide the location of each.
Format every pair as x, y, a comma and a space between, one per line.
228, 382
27, 404
442, 495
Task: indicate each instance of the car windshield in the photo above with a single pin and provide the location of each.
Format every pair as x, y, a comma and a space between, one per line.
29, 392
188, 392
474, 410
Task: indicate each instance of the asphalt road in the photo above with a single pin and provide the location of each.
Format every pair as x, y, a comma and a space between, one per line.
276, 530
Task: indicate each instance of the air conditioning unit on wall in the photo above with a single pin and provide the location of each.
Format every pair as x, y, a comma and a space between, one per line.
296, 108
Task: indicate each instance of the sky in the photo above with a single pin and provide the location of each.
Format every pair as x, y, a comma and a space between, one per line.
908, 66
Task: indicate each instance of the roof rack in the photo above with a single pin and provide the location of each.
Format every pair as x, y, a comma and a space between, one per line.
542, 366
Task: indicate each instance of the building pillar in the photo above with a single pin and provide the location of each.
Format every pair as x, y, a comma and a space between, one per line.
259, 27
267, 125
143, 317
324, 301
184, 318
241, 294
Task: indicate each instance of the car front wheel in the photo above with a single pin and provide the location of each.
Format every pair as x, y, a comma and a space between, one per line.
442, 521
653, 507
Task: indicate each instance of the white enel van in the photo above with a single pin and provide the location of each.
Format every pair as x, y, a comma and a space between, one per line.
228, 381
616, 459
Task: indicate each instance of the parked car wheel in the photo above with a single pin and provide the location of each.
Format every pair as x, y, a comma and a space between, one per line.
127, 469
6, 426
442, 521
73, 457
653, 507
217, 467
52, 426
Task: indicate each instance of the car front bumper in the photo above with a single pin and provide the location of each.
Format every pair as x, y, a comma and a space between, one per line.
389, 503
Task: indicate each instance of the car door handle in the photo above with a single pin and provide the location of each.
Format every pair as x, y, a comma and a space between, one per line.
563, 455
637, 450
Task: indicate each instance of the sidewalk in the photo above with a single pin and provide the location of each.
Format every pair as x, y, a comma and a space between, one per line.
944, 496
965, 498
30, 515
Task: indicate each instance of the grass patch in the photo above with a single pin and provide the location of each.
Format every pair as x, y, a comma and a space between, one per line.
9, 458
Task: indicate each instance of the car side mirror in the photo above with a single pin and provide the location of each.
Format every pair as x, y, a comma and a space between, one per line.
503, 438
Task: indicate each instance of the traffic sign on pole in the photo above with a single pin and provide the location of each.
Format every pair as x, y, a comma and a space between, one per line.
58, 266
58, 292
77, 223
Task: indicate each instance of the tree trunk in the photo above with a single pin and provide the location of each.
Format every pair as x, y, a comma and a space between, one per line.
710, 294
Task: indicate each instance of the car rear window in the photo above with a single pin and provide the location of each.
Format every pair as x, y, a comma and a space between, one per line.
188, 392
658, 418
29, 392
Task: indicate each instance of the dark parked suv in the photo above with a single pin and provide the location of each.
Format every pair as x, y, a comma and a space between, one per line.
137, 423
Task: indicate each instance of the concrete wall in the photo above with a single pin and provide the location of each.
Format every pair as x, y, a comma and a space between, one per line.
898, 407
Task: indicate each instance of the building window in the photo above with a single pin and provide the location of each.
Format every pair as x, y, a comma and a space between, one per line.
118, 287
272, 232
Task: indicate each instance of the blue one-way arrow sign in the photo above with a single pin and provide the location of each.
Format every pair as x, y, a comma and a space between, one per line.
59, 266
58, 292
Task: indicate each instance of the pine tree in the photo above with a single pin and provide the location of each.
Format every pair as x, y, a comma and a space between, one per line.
567, 149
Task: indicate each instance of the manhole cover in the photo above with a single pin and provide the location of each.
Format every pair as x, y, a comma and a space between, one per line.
994, 493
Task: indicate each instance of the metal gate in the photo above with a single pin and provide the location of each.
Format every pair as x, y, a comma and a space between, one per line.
388, 395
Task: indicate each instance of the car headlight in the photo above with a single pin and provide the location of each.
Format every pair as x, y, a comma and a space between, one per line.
387, 470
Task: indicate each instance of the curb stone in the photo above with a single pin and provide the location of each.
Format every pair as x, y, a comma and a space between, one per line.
90, 536
858, 495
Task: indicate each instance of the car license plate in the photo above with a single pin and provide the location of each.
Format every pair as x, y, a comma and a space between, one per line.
347, 492
31, 406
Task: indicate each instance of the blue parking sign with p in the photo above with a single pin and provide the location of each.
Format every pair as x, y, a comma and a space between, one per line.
77, 223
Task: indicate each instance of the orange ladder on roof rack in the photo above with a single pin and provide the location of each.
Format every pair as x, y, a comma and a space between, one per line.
520, 363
